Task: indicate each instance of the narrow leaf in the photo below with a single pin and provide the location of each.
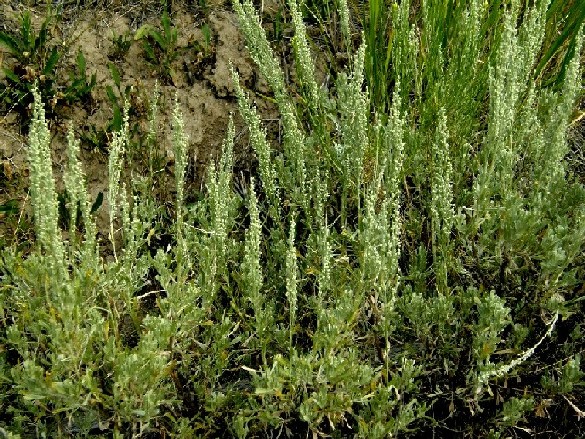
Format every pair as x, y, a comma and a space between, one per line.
51, 62
115, 75
97, 203
9, 42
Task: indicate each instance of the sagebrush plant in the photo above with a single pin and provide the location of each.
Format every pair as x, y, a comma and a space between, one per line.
398, 258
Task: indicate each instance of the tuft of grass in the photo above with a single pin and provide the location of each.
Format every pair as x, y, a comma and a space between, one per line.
564, 22
35, 60
160, 46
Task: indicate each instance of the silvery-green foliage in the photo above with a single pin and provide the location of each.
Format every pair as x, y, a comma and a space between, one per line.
405, 50
522, 206
293, 171
304, 62
389, 256
151, 136
343, 10
551, 169
141, 384
180, 150
180, 146
115, 161
494, 316
325, 250
374, 237
382, 220
259, 47
353, 105
291, 276
42, 189
441, 202
569, 376
514, 411
79, 202
260, 146
252, 275
387, 414
212, 243
253, 253
440, 159
508, 85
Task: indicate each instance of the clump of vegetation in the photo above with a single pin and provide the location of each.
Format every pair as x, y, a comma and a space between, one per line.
160, 46
120, 46
399, 258
35, 61
80, 84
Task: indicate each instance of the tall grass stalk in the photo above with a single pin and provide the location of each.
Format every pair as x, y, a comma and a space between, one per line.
180, 150
260, 146
152, 129
253, 277
564, 23
115, 161
379, 51
42, 189
442, 213
214, 242
294, 171
291, 279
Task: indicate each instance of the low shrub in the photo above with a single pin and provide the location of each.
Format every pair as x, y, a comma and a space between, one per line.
410, 269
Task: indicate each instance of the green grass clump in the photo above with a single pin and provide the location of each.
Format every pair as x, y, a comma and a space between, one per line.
160, 46
395, 263
35, 61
